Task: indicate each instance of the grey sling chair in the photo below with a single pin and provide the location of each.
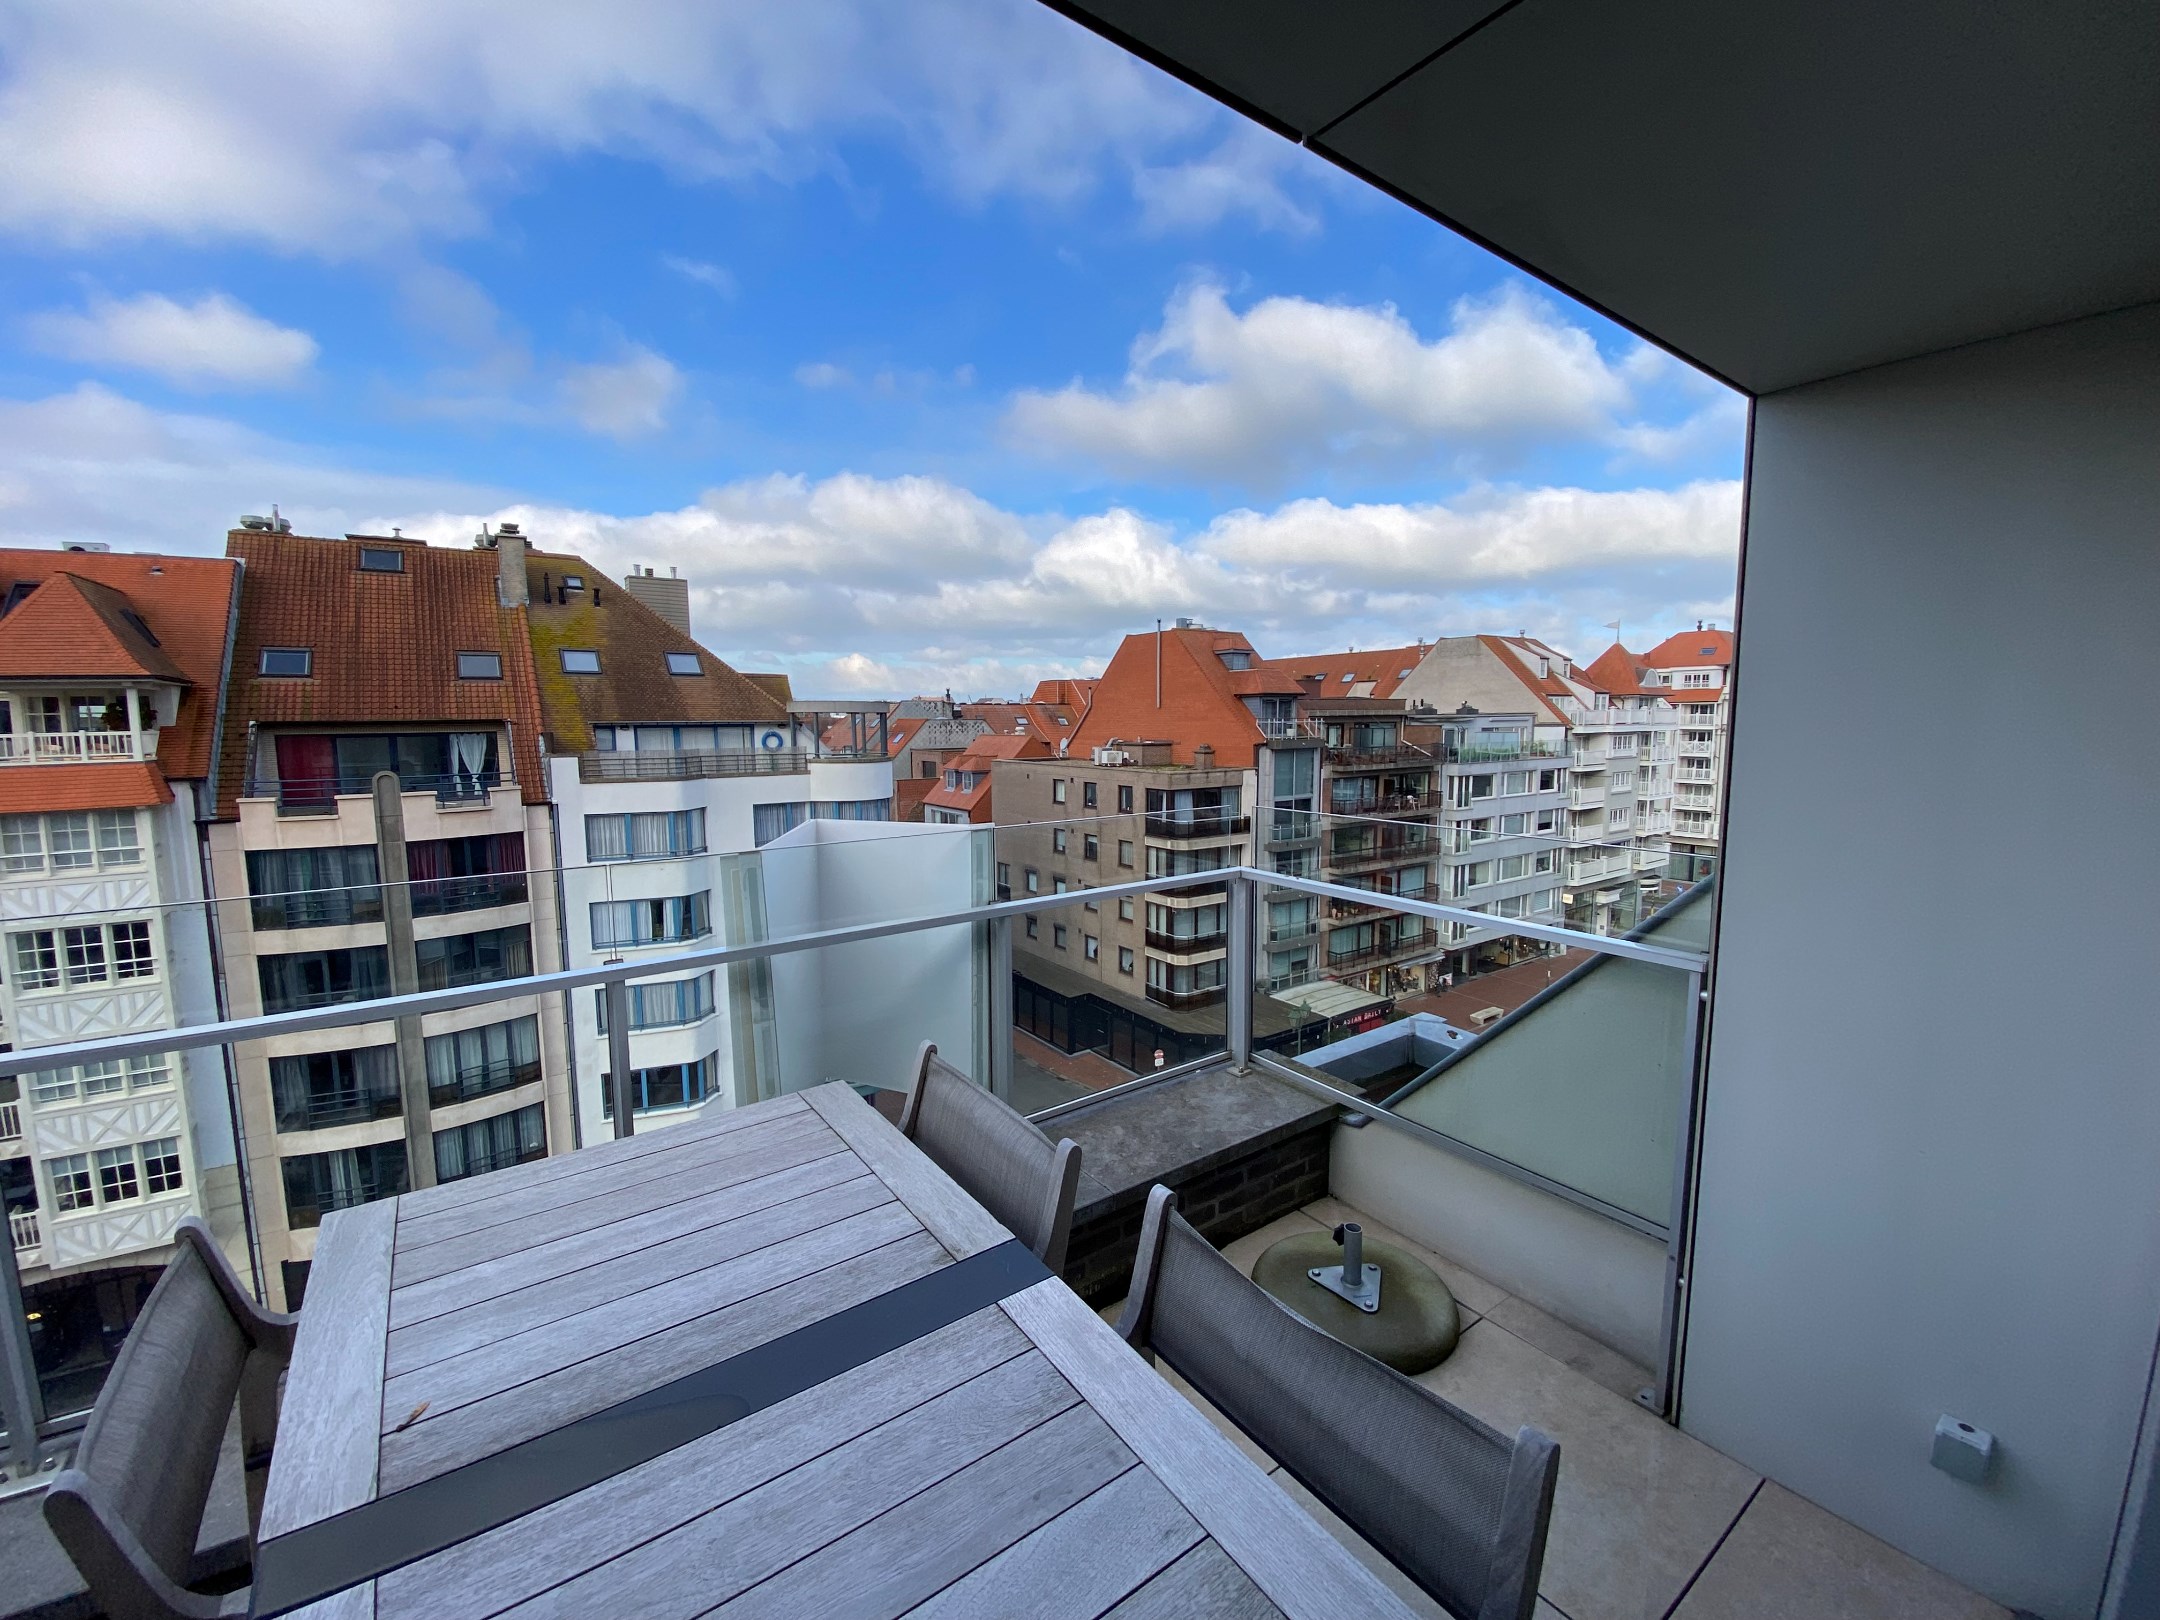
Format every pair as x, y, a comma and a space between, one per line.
1456, 1505
983, 1143
129, 1510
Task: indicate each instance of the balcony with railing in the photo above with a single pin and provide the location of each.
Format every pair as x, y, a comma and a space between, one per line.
1569, 1167
318, 795
1197, 826
1170, 944
1367, 854
78, 747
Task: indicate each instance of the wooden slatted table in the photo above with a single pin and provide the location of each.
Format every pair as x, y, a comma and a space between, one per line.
1018, 1460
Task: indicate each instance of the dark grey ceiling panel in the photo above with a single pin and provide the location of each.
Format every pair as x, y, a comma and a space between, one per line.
1296, 64
1782, 191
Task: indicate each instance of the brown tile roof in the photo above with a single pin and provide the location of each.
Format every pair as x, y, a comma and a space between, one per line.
385, 646
1691, 649
188, 603
124, 785
633, 686
1321, 674
1199, 705
779, 688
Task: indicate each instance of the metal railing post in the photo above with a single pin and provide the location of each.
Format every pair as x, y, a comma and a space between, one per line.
620, 1086
1238, 1005
20, 1393
1001, 1007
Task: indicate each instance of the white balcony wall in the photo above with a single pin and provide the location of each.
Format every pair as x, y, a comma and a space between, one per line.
1908, 1207
856, 1012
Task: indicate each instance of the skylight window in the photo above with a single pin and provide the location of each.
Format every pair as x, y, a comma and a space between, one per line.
381, 560
573, 582
679, 663
479, 666
580, 660
1348, 676
295, 662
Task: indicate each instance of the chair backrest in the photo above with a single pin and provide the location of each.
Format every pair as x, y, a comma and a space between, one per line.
1456, 1505
1007, 1164
129, 1511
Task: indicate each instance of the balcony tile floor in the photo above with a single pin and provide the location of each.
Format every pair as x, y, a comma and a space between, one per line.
1648, 1523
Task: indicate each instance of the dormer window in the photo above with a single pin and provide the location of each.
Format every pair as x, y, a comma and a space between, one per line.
296, 663
1235, 658
381, 560
682, 663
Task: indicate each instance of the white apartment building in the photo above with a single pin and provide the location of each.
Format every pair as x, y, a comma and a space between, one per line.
110, 674
668, 772
1695, 668
1621, 735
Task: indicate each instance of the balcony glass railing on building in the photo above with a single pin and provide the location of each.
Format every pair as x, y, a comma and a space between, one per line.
77, 747
794, 973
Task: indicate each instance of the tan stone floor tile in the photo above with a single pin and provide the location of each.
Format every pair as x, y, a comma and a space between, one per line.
1594, 1360
1640, 1505
1788, 1559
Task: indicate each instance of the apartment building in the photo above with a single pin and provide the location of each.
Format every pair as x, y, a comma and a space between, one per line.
1621, 736
1138, 974
1695, 669
668, 770
383, 827
111, 669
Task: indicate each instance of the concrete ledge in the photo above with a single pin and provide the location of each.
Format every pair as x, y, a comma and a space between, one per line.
1241, 1150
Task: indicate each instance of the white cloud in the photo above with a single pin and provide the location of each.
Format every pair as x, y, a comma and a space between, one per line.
716, 277
625, 398
215, 342
1240, 177
344, 131
858, 583
1255, 397
823, 374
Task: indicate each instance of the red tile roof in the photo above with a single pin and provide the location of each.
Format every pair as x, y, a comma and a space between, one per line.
385, 646
1543, 688
1691, 649
981, 753
124, 785
188, 603
1618, 671
1321, 674
1199, 699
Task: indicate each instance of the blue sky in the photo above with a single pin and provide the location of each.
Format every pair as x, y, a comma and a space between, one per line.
937, 344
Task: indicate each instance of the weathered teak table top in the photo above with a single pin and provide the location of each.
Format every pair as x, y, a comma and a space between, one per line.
921, 1454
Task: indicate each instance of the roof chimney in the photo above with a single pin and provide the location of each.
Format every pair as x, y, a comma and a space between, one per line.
670, 597
1203, 757
510, 587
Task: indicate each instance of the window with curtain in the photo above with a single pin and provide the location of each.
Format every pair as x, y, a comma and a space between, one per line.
645, 836
466, 874
313, 888
323, 978
475, 1062
667, 1085
317, 1183
666, 1005
651, 922
769, 821
312, 1090
854, 809
482, 958
490, 1144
